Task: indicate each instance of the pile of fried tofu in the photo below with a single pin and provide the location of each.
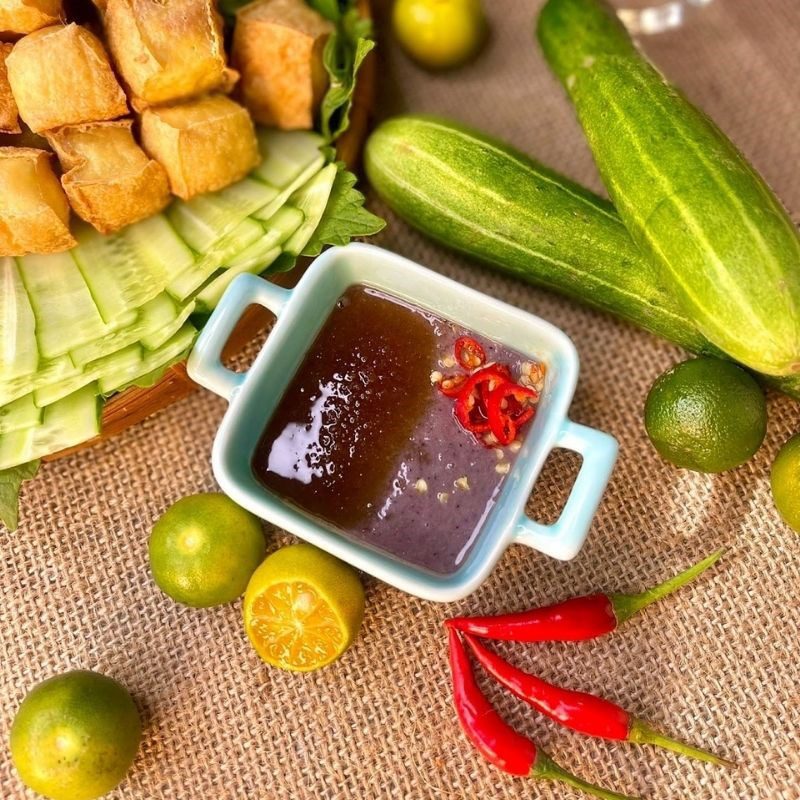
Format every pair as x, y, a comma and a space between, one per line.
112, 118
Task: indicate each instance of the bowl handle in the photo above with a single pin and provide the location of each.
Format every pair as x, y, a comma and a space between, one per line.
565, 537
205, 362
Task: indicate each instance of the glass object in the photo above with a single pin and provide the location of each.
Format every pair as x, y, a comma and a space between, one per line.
644, 17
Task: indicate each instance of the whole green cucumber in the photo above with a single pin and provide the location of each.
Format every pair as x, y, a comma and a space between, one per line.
485, 199
728, 249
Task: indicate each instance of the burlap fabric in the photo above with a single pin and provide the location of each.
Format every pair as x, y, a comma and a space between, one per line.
717, 664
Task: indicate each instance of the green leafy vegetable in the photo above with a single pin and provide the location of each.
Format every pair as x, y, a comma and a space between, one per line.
10, 483
345, 216
330, 9
343, 56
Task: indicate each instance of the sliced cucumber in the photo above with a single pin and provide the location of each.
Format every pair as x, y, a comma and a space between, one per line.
256, 258
204, 220
171, 351
227, 248
153, 317
311, 199
160, 247
128, 269
208, 299
66, 423
19, 414
286, 154
49, 371
123, 359
284, 222
19, 354
66, 314
153, 341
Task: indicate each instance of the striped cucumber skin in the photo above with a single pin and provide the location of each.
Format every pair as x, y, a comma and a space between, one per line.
728, 250
484, 199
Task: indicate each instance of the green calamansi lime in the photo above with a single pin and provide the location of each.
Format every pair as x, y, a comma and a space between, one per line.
706, 415
303, 608
785, 482
440, 33
204, 549
75, 736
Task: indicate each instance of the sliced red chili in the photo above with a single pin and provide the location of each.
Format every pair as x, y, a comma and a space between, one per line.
451, 385
509, 406
501, 369
469, 353
470, 410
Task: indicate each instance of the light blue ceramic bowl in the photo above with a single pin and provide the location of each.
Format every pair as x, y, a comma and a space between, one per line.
254, 395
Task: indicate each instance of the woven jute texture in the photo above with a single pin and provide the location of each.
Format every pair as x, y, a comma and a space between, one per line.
716, 664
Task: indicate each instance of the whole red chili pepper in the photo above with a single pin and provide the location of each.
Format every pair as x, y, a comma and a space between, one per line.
577, 619
580, 711
495, 739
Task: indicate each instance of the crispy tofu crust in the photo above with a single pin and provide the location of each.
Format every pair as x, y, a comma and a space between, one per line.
34, 213
9, 116
18, 17
277, 48
61, 75
167, 51
204, 145
108, 178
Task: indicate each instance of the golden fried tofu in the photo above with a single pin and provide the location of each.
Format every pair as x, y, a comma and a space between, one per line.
9, 117
18, 17
61, 75
166, 51
277, 48
108, 178
34, 213
203, 145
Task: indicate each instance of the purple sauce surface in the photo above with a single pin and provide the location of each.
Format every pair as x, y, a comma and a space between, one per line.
364, 441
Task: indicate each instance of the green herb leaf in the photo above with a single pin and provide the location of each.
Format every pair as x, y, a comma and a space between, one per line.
10, 483
345, 216
330, 9
343, 56
285, 262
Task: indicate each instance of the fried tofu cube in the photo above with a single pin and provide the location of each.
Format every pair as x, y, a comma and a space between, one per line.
9, 116
61, 75
277, 48
108, 178
34, 213
167, 51
18, 17
204, 145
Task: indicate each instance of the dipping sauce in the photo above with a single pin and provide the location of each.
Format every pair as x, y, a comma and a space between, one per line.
364, 440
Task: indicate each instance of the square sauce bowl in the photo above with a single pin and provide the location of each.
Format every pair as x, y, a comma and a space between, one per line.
255, 395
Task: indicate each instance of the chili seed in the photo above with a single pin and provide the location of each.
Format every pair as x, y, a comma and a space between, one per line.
515, 446
421, 486
503, 468
443, 497
436, 377
462, 483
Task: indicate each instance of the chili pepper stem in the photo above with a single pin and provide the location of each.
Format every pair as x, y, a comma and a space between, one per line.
627, 605
642, 733
546, 769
